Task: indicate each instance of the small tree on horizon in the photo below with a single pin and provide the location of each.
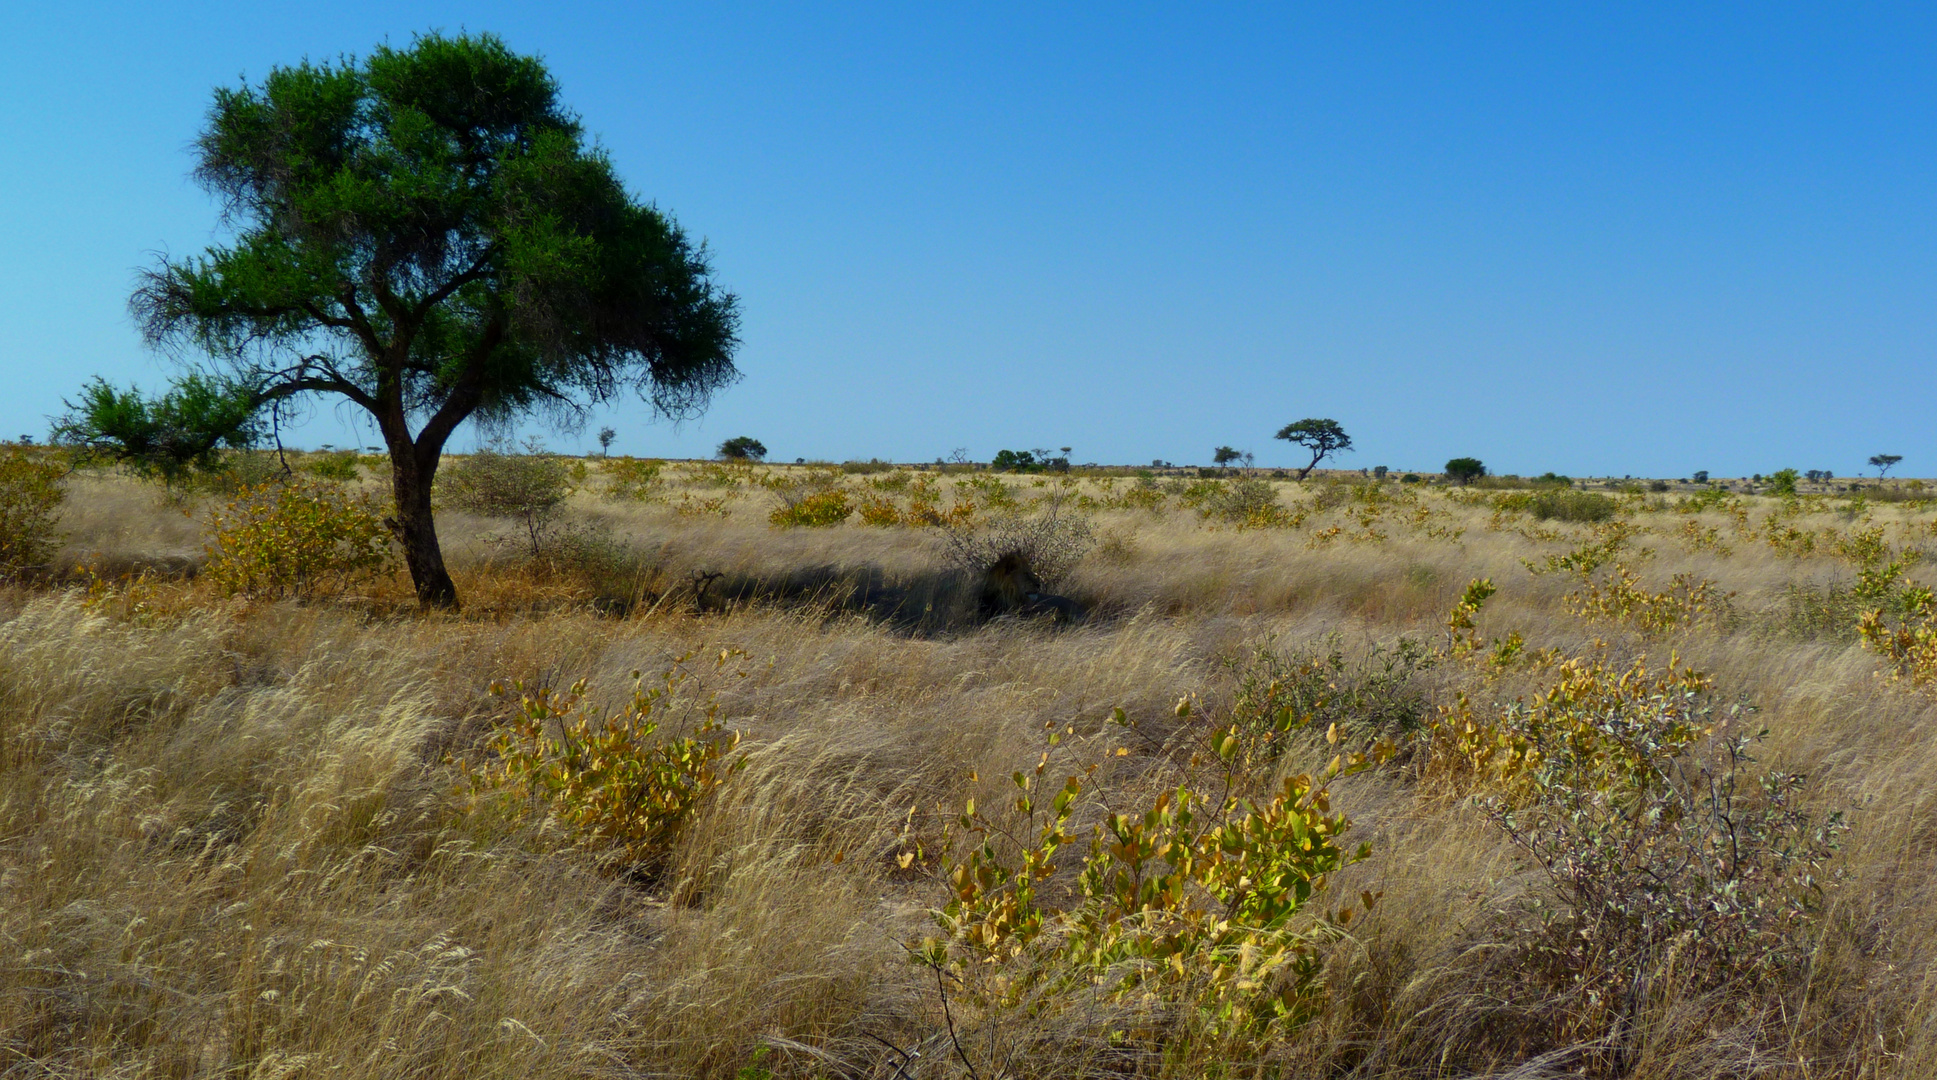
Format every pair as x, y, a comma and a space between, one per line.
743, 448
1322, 437
1883, 463
430, 236
606, 435
1464, 470
1223, 456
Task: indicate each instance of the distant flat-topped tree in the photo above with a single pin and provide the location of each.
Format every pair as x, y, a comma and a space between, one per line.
429, 236
1322, 437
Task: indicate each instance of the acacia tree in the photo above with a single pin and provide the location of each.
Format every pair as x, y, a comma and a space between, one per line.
1883, 462
1322, 437
429, 236
743, 448
1464, 470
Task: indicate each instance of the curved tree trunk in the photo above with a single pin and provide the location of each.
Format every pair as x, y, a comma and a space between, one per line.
416, 530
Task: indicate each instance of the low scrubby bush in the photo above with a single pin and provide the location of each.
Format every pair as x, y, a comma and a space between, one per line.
814, 498
817, 511
881, 512
1246, 503
1617, 596
634, 479
1566, 504
1049, 544
1370, 697
295, 540
32, 489
1910, 644
338, 465
1685, 871
528, 488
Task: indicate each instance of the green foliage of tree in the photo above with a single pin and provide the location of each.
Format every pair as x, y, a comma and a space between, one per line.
1015, 461
743, 448
1223, 456
1322, 437
1464, 470
1884, 461
185, 428
1783, 481
429, 235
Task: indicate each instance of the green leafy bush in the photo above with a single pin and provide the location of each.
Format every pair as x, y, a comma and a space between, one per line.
339, 465
1248, 503
634, 479
295, 540
1371, 697
32, 489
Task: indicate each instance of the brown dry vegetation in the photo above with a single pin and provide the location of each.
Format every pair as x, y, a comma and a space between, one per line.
234, 841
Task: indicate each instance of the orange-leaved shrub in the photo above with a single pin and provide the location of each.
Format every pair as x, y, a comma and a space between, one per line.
295, 539
622, 789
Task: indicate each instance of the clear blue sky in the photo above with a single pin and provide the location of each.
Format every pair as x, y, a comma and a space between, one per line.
1634, 238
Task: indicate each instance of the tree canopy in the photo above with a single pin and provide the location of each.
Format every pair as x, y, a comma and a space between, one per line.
1464, 470
743, 448
430, 236
1322, 437
1884, 461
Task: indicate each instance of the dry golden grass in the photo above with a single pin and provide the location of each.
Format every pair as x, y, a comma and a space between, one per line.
232, 841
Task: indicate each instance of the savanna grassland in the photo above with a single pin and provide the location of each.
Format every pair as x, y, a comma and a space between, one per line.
735, 771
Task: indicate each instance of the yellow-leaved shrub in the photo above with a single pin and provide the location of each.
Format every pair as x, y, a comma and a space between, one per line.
619, 787
1190, 902
819, 510
1911, 645
295, 539
31, 493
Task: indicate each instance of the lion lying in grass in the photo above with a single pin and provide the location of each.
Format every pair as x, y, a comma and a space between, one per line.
1010, 586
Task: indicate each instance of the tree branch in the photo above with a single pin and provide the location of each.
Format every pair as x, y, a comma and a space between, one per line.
464, 397
476, 271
